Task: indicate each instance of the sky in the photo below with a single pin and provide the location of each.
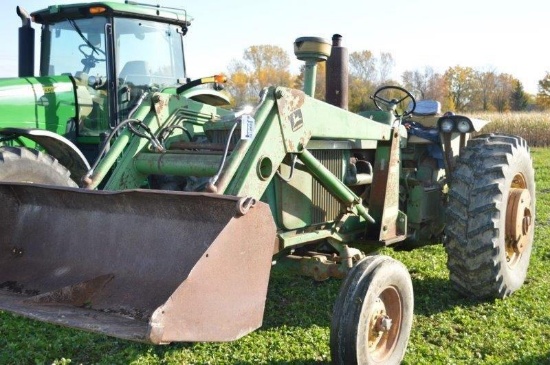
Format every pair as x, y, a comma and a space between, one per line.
488, 35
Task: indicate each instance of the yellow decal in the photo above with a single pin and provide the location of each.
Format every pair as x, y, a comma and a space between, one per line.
48, 89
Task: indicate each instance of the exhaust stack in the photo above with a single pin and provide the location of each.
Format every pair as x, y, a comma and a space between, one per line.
337, 74
26, 44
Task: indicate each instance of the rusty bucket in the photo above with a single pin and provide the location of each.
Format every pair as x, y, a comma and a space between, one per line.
149, 266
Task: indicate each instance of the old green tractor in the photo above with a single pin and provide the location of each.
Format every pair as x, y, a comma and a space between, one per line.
138, 205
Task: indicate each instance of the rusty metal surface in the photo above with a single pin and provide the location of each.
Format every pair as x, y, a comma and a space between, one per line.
384, 197
224, 296
295, 131
384, 324
337, 74
76, 317
109, 261
519, 220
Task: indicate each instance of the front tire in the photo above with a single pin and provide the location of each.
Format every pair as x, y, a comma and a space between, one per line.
373, 314
18, 164
490, 217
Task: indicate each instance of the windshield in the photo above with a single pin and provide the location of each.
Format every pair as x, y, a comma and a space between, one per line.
76, 47
148, 53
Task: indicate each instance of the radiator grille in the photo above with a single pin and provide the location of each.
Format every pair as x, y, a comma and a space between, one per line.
325, 207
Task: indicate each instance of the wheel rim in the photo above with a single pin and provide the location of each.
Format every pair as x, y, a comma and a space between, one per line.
384, 324
519, 220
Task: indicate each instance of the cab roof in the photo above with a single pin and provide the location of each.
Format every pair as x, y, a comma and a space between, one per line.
128, 9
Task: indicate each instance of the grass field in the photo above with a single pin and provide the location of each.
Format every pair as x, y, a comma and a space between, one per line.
447, 329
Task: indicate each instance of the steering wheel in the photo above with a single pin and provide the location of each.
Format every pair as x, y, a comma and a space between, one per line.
89, 61
382, 96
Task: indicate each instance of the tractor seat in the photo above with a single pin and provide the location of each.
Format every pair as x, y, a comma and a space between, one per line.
427, 113
426, 108
423, 122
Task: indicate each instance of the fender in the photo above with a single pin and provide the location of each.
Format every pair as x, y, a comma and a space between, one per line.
57, 146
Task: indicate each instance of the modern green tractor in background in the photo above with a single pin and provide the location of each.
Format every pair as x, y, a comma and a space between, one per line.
136, 204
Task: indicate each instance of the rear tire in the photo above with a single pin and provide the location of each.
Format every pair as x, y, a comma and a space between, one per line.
18, 164
373, 314
491, 201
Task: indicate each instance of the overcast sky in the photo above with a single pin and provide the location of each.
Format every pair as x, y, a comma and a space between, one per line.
501, 35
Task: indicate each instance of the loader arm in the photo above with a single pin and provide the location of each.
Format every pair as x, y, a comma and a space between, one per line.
293, 121
287, 123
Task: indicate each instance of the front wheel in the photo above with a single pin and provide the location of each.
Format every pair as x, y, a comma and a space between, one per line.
373, 314
490, 217
19, 164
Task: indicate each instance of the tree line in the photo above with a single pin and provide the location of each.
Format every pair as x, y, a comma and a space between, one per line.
459, 89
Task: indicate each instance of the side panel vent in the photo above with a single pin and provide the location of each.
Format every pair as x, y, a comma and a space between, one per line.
325, 207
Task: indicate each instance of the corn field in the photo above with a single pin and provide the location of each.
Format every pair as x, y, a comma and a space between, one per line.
534, 127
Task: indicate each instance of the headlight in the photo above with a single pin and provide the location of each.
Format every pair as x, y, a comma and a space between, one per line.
447, 125
463, 126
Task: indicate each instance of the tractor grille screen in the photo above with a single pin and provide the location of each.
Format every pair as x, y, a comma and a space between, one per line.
326, 207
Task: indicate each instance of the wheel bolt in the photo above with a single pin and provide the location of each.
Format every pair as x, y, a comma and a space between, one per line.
526, 223
383, 324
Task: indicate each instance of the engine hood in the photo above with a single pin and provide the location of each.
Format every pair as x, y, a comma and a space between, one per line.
37, 102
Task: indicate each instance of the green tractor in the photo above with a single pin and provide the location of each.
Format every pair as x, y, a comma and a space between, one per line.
138, 205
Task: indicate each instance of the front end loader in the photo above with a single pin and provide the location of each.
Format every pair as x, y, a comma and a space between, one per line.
153, 212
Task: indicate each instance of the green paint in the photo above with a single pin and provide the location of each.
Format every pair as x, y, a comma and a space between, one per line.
37, 102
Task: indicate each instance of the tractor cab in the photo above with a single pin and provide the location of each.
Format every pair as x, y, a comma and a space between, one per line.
114, 53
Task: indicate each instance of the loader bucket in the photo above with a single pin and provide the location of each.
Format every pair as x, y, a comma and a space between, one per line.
149, 266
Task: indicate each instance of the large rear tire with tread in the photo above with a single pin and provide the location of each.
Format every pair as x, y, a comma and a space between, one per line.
19, 164
373, 314
490, 216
